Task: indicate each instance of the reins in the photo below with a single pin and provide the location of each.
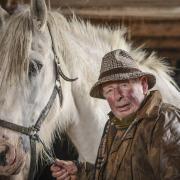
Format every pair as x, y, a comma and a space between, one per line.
32, 131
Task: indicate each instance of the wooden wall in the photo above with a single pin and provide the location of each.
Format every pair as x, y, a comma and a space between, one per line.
155, 23
114, 3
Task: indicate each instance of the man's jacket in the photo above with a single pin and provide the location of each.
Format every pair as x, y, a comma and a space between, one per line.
148, 149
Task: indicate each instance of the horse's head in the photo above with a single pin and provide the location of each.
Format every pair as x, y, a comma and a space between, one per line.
27, 78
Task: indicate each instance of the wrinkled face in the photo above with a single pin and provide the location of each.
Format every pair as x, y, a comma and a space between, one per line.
125, 97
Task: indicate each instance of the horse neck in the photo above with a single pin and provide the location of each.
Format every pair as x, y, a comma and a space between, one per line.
85, 122
87, 130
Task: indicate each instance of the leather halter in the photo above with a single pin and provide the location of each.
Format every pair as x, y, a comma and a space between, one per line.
32, 131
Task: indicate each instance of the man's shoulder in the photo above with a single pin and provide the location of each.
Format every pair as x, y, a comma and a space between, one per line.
165, 123
171, 116
169, 108
165, 116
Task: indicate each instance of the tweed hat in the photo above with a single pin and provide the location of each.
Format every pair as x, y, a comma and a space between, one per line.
118, 65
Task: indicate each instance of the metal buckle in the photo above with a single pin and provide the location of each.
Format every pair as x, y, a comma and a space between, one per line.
34, 133
58, 85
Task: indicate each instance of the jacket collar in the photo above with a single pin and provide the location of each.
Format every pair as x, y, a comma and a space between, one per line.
150, 108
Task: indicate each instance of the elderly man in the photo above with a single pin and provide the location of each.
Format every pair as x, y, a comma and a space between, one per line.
141, 139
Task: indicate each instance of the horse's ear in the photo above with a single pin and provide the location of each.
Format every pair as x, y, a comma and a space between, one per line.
39, 13
3, 16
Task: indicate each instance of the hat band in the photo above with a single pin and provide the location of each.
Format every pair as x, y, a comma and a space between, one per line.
116, 71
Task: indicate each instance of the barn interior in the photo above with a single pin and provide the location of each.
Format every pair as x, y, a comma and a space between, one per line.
153, 24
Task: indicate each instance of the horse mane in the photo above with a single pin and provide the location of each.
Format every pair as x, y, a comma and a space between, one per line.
159, 67
80, 42
15, 43
76, 42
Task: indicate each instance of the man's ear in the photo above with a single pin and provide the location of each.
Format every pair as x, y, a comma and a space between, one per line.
144, 82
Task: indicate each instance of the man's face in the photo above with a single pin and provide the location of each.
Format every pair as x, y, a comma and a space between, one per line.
125, 97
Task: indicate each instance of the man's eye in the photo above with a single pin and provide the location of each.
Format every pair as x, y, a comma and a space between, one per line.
124, 85
109, 91
34, 68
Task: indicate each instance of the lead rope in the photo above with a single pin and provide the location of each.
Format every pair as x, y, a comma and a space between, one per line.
50, 157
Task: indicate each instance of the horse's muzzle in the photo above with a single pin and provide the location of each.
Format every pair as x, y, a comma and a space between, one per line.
11, 159
3, 151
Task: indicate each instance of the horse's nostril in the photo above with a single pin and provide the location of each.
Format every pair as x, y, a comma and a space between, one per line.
4, 137
3, 151
3, 158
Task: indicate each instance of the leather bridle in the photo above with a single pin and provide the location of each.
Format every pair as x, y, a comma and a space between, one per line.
32, 131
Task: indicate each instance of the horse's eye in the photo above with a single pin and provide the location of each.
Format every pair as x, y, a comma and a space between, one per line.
34, 68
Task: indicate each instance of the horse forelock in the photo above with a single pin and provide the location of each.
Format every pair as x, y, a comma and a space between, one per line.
15, 44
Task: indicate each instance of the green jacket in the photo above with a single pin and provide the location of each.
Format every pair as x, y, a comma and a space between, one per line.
149, 149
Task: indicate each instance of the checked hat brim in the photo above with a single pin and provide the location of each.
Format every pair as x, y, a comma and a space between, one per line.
96, 90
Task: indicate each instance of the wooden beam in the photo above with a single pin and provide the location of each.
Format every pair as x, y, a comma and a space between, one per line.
170, 55
144, 28
114, 3
117, 13
173, 57
115, 9
154, 29
163, 43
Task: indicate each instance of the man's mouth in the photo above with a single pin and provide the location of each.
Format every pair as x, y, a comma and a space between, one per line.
123, 107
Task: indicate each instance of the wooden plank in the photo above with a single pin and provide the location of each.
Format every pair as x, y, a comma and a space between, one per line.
172, 56
115, 3
117, 13
112, 3
140, 27
143, 28
169, 55
161, 29
163, 43
116, 9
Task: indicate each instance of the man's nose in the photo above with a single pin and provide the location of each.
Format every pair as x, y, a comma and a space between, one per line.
118, 93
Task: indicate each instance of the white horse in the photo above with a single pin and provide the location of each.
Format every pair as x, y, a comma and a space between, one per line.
28, 76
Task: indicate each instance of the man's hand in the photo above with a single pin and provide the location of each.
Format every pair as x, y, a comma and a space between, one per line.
64, 170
